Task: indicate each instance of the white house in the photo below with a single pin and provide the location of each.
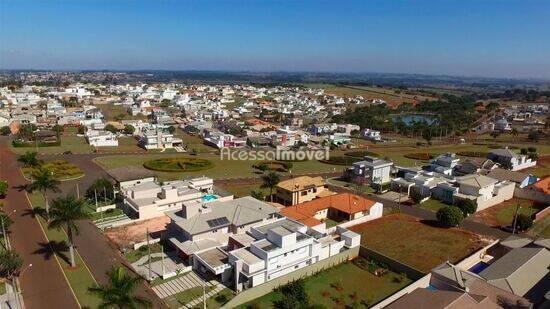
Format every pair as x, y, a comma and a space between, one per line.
98, 138
373, 170
508, 159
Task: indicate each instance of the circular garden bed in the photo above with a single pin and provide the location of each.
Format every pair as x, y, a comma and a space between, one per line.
61, 170
275, 166
178, 164
473, 154
361, 154
341, 160
419, 156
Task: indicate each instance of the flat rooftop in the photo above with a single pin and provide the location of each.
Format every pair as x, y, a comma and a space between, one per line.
214, 257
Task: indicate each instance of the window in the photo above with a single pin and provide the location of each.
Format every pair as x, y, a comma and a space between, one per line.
303, 193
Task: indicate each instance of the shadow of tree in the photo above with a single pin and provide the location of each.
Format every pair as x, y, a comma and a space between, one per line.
24, 187
53, 247
432, 223
37, 211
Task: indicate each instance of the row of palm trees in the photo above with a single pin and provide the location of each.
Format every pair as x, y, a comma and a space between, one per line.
64, 212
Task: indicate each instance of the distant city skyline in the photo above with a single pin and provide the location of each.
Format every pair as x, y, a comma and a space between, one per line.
492, 38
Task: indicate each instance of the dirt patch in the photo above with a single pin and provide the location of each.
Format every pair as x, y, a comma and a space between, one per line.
127, 235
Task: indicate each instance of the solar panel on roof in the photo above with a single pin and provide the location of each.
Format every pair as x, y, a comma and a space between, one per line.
217, 222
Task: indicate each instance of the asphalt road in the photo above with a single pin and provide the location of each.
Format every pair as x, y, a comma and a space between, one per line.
43, 285
96, 250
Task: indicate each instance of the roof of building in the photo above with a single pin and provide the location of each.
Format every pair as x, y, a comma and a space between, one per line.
519, 270
515, 242
344, 202
426, 298
478, 181
502, 174
129, 173
214, 257
301, 183
373, 162
504, 152
241, 211
543, 185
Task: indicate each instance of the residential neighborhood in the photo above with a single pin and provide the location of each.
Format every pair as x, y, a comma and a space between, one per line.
281, 154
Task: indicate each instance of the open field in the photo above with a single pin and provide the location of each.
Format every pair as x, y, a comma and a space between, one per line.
393, 97
125, 144
117, 112
79, 278
540, 229
69, 142
354, 280
415, 243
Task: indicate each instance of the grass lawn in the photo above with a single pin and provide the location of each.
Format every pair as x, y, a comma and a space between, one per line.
221, 168
218, 300
69, 142
414, 243
541, 228
369, 288
432, 205
503, 213
182, 298
106, 214
244, 189
125, 144
61, 169
134, 255
80, 278
2, 288
353, 187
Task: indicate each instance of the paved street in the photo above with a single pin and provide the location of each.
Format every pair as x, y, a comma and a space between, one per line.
43, 284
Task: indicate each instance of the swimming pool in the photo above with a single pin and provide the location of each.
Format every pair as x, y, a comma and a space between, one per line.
208, 197
479, 267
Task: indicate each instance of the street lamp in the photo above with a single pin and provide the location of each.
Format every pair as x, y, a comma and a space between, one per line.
6, 239
18, 293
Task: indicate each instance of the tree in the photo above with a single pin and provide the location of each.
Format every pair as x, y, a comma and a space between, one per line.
271, 179
534, 135
7, 221
5, 130
257, 194
129, 129
427, 135
44, 181
194, 151
416, 196
64, 213
119, 291
103, 188
171, 129
523, 222
288, 165
81, 129
27, 131
3, 187
29, 159
494, 134
294, 295
467, 207
515, 132
111, 128
449, 216
10, 264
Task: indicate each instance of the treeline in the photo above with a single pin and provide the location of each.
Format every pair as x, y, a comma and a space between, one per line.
454, 114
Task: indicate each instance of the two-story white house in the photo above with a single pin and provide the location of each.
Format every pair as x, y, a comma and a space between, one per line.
508, 159
373, 170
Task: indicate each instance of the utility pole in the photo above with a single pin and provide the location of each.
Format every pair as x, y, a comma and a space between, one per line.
203, 294
77, 191
162, 259
149, 254
515, 218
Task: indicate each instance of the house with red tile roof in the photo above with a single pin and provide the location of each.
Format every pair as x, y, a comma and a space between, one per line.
343, 208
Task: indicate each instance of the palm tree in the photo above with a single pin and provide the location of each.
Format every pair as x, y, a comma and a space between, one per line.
29, 159
270, 179
10, 264
118, 293
44, 181
65, 211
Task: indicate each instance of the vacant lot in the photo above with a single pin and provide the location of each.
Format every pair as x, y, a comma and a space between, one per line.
417, 244
345, 282
503, 213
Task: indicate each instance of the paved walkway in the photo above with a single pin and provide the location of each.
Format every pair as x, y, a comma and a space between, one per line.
180, 284
43, 285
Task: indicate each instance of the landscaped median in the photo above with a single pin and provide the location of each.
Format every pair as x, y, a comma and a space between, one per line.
61, 170
80, 277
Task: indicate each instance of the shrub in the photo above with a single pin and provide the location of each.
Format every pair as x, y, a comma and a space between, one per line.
523, 222
474, 154
449, 216
340, 160
178, 164
532, 149
3, 187
467, 207
361, 154
5, 130
416, 196
422, 156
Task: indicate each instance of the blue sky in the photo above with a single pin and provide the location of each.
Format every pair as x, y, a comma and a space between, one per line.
500, 38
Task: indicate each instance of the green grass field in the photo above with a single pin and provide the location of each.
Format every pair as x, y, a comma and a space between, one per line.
432, 205
414, 243
369, 288
221, 169
80, 278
